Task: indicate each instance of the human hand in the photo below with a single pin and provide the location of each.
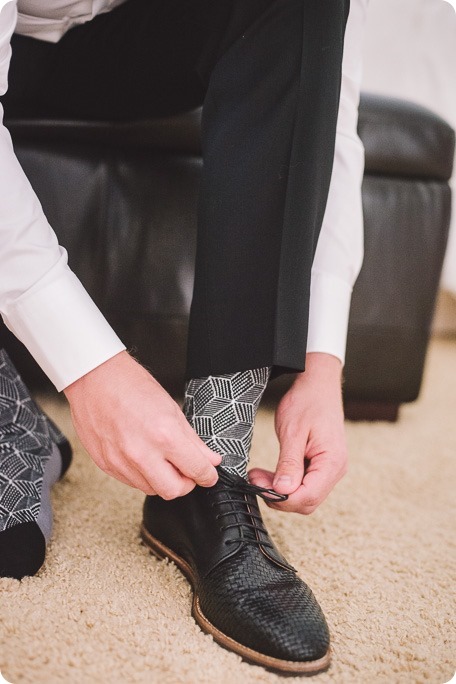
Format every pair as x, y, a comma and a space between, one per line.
136, 432
309, 423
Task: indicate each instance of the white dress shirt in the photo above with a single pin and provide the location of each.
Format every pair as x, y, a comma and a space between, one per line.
44, 304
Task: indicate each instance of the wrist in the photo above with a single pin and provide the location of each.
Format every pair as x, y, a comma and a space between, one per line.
96, 375
321, 367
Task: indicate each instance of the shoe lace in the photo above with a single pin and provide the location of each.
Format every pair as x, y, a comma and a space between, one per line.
235, 485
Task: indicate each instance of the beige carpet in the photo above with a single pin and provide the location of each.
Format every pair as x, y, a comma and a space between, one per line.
380, 556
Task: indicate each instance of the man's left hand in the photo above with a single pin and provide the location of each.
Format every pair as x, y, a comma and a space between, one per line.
309, 423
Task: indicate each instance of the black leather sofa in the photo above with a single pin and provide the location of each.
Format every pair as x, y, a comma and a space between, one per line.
122, 199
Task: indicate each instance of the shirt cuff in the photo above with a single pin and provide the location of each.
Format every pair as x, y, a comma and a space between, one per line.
63, 329
329, 309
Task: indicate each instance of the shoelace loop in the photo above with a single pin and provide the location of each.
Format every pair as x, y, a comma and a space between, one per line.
236, 485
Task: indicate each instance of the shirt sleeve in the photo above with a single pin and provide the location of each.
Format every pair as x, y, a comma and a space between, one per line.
41, 300
339, 253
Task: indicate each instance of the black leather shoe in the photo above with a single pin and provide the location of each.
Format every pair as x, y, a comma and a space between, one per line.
244, 592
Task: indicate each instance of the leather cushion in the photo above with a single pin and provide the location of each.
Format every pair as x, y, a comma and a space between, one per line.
179, 133
404, 139
400, 138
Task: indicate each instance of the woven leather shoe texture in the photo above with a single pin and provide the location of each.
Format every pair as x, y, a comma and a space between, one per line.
245, 593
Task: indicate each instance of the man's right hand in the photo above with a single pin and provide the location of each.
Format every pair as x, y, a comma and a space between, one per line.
136, 432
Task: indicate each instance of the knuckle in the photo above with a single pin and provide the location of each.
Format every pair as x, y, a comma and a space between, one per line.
307, 507
290, 432
177, 489
166, 496
162, 436
340, 465
289, 462
187, 488
278, 505
137, 460
312, 503
168, 493
308, 510
208, 478
198, 470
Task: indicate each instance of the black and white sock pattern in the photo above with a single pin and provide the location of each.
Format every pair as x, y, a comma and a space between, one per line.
33, 455
222, 411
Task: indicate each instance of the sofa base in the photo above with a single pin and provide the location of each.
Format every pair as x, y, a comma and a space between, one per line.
371, 410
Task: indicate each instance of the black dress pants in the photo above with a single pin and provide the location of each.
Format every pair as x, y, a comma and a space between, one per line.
268, 75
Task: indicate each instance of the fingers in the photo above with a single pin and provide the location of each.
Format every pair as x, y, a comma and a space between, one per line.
170, 468
195, 467
136, 432
146, 470
124, 471
175, 464
169, 474
322, 475
214, 458
261, 477
190, 455
290, 467
169, 483
133, 479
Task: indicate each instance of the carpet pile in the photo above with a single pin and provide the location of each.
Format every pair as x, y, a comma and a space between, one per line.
380, 555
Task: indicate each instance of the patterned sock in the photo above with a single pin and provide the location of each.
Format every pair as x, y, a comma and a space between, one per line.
33, 456
222, 409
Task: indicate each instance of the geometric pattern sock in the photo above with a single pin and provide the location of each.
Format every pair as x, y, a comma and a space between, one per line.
33, 456
222, 409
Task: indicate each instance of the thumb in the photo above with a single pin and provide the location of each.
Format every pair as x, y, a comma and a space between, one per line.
290, 469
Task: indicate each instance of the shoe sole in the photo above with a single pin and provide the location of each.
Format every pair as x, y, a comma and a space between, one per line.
276, 664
